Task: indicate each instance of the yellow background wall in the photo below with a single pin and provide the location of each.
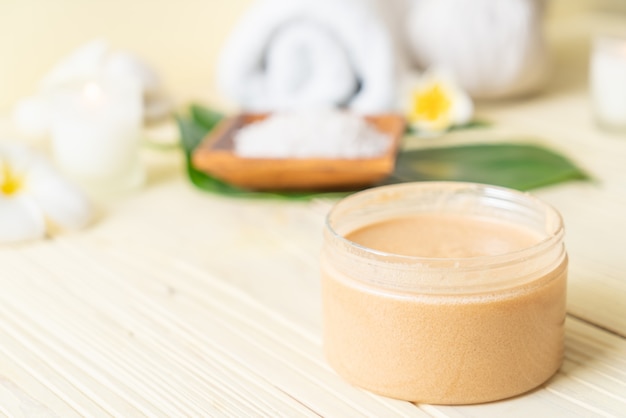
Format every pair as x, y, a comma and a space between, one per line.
181, 39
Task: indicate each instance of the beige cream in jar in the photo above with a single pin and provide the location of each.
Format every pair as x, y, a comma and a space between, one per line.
447, 293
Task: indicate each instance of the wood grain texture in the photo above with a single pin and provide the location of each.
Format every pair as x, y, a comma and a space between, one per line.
178, 303
215, 313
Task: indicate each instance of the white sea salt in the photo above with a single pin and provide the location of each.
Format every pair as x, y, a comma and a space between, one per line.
311, 133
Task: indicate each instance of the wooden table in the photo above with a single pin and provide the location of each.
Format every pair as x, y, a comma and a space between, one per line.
181, 303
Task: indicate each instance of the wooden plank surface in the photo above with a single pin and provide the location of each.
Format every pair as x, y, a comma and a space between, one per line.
211, 312
180, 303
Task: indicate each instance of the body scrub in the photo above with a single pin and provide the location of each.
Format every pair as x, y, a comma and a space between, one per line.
311, 133
448, 293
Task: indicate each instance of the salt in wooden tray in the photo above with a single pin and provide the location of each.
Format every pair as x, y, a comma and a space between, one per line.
216, 156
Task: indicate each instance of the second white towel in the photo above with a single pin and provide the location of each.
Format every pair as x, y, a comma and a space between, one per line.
285, 54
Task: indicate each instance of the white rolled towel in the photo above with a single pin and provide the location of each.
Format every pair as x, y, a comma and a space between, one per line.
494, 48
286, 54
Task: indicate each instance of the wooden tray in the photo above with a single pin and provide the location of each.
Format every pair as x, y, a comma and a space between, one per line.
215, 156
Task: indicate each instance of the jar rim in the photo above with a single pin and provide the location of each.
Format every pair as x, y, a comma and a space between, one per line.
480, 262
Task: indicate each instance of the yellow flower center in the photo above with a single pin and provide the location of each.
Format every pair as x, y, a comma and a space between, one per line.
430, 104
10, 181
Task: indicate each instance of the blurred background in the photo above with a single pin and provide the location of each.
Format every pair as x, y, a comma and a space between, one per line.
182, 39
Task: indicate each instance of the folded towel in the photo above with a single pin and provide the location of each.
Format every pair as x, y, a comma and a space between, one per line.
286, 54
495, 49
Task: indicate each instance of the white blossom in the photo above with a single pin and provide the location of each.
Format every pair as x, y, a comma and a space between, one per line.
436, 103
34, 199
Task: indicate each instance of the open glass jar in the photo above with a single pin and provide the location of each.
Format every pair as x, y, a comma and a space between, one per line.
444, 330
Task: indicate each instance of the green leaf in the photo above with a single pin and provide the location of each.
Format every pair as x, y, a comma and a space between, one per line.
191, 134
473, 124
193, 129
514, 165
205, 117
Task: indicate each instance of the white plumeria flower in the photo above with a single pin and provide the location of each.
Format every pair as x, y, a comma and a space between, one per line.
34, 199
436, 103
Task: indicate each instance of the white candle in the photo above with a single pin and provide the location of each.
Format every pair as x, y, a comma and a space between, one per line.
608, 82
96, 129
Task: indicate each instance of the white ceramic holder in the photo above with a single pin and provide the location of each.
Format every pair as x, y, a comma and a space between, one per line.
96, 129
608, 82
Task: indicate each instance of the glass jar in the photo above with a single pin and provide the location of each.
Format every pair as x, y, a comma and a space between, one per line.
444, 330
